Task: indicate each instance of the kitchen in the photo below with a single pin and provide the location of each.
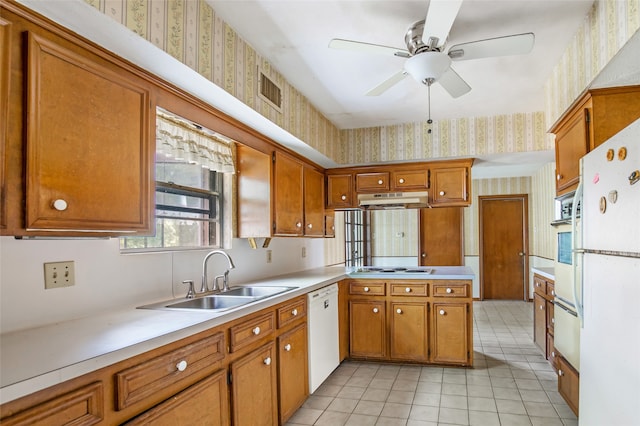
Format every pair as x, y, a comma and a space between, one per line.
118, 281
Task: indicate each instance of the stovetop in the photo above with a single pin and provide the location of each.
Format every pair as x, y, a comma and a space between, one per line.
393, 270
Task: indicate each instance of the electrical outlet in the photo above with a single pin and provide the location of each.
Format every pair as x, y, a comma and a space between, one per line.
304, 252
268, 256
59, 274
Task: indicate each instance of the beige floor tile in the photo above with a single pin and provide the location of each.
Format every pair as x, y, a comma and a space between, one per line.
453, 416
361, 420
483, 418
395, 410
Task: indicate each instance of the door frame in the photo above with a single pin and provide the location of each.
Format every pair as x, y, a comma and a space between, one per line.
525, 236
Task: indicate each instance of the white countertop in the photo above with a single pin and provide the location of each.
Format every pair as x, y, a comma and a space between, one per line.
34, 359
547, 272
437, 273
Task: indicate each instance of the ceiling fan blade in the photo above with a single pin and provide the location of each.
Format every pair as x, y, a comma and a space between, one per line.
453, 83
517, 44
387, 84
338, 43
439, 20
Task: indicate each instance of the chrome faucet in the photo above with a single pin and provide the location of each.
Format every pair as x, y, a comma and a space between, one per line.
205, 286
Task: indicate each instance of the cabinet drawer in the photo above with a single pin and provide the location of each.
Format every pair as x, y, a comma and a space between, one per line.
367, 288
372, 182
451, 289
291, 312
142, 381
409, 289
539, 285
412, 179
252, 330
551, 291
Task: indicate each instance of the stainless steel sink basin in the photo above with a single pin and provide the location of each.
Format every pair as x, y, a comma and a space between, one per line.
211, 303
256, 292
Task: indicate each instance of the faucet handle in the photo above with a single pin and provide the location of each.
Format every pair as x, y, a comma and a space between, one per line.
191, 293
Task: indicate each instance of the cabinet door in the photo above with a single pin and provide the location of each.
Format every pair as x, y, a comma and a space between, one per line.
292, 371
206, 403
329, 224
410, 180
441, 237
408, 338
89, 154
569, 384
340, 193
313, 203
254, 192
372, 182
5, 72
449, 186
343, 318
572, 143
540, 322
368, 328
450, 331
287, 192
253, 388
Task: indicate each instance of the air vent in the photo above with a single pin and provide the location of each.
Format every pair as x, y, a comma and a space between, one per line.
270, 91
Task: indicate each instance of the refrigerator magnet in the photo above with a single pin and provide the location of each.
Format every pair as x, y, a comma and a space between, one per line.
613, 196
596, 178
622, 153
610, 154
634, 177
603, 204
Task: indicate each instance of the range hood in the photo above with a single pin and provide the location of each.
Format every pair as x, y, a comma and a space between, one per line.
394, 200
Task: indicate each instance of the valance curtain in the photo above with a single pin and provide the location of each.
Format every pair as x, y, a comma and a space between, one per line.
185, 141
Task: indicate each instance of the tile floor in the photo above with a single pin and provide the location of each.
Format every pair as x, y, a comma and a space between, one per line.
511, 383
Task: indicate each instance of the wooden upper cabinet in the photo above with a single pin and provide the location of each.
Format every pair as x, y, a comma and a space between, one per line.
450, 186
314, 218
89, 154
572, 143
403, 180
287, 196
5, 72
372, 182
441, 237
254, 192
329, 224
340, 194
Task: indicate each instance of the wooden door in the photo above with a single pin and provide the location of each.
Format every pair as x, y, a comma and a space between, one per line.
293, 371
367, 328
441, 237
408, 331
253, 384
450, 330
503, 245
287, 193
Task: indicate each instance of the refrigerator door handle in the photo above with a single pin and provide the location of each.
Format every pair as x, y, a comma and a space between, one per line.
577, 251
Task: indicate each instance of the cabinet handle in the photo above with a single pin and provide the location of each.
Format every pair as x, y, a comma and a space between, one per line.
442, 312
407, 290
375, 310
310, 226
343, 197
560, 373
553, 354
182, 365
298, 225
541, 307
441, 192
553, 320
60, 205
401, 180
449, 290
537, 284
267, 361
399, 311
287, 347
424, 254
366, 289
558, 177
294, 312
553, 292
380, 181
256, 331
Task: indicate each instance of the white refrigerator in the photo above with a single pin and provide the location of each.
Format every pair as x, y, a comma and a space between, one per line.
609, 291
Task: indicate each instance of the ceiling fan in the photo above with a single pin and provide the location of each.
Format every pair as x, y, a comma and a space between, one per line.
426, 60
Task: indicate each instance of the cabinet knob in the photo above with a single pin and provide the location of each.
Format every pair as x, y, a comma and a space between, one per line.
401, 180
310, 226
182, 365
407, 290
287, 347
558, 176
560, 373
399, 311
449, 290
267, 361
380, 181
424, 255
298, 225
294, 312
60, 205
375, 310
366, 289
442, 312
256, 331
343, 197
553, 292
541, 307
441, 192
553, 320
537, 284
553, 354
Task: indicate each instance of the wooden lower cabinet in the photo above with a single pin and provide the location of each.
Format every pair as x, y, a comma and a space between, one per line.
254, 398
450, 330
293, 376
540, 322
206, 403
408, 331
367, 323
569, 384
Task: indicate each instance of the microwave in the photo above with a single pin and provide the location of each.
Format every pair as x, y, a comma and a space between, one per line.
564, 208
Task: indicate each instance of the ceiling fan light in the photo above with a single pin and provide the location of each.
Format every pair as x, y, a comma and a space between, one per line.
427, 65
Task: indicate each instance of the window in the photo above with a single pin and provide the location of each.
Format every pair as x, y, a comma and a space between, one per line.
357, 237
190, 166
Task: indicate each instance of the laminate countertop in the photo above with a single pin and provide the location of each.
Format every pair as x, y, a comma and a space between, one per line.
34, 359
547, 272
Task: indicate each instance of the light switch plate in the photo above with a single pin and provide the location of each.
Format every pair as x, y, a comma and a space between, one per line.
59, 274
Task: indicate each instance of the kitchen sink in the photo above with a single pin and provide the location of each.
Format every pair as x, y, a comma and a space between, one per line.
211, 303
258, 292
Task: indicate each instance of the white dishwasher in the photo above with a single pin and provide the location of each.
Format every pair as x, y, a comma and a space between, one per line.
324, 354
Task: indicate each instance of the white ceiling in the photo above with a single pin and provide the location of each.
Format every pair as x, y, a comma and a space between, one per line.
294, 35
